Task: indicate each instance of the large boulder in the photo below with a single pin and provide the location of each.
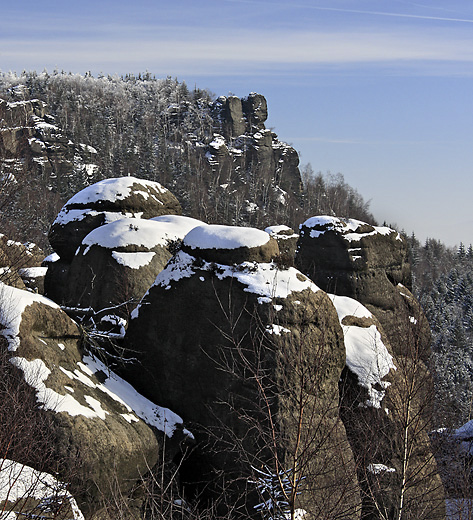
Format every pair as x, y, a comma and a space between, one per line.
105, 435
118, 262
250, 354
368, 263
105, 202
388, 403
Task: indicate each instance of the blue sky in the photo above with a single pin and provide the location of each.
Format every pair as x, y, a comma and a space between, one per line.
378, 90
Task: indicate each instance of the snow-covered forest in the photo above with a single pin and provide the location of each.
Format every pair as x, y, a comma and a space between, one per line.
161, 130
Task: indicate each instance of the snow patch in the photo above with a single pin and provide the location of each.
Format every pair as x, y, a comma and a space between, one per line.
225, 237
18, 481
133, 260
263, 279
112, 190
376, 469
348, 228
366, 354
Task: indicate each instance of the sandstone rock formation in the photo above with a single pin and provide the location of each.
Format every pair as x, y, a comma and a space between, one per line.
370, 264
243, 140
386, 405
105, 433
118, 262
28, 133
251, 355
105, 202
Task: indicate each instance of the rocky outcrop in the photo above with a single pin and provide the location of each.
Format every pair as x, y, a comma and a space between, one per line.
72, 278
240, 343
105, 433
243, 141
386, 388
105, 202
370, 264
29, 135
118, 262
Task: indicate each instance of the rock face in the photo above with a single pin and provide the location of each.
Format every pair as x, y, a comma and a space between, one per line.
105, 202
118, 262
29, 133
241, 140
113, 255
235, 343
287, 242
103, 429
369, 264
386, 388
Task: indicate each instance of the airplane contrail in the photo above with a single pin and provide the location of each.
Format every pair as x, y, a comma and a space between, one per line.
357, 11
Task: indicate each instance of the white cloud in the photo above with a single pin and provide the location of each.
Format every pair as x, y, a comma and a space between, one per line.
181, 49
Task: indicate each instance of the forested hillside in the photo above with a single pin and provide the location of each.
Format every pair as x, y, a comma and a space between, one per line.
443, 283
220, 161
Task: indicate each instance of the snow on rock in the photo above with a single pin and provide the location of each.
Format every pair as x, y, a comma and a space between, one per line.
281, 232
133, 260
366, 354
105, 202
128, 231
225, 237
377, 469
18, 481
263, 279
161, 418
37, 372
50, 259
351, 229
66, 215
112, 190
177, 226
32, 272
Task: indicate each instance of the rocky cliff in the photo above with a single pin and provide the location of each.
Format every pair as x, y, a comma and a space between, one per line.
304, 387
31, 138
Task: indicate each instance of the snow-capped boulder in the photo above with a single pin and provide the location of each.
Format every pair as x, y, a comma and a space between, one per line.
101, 424
105, 202
230, 245
118, 262
216, 320
368, 263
